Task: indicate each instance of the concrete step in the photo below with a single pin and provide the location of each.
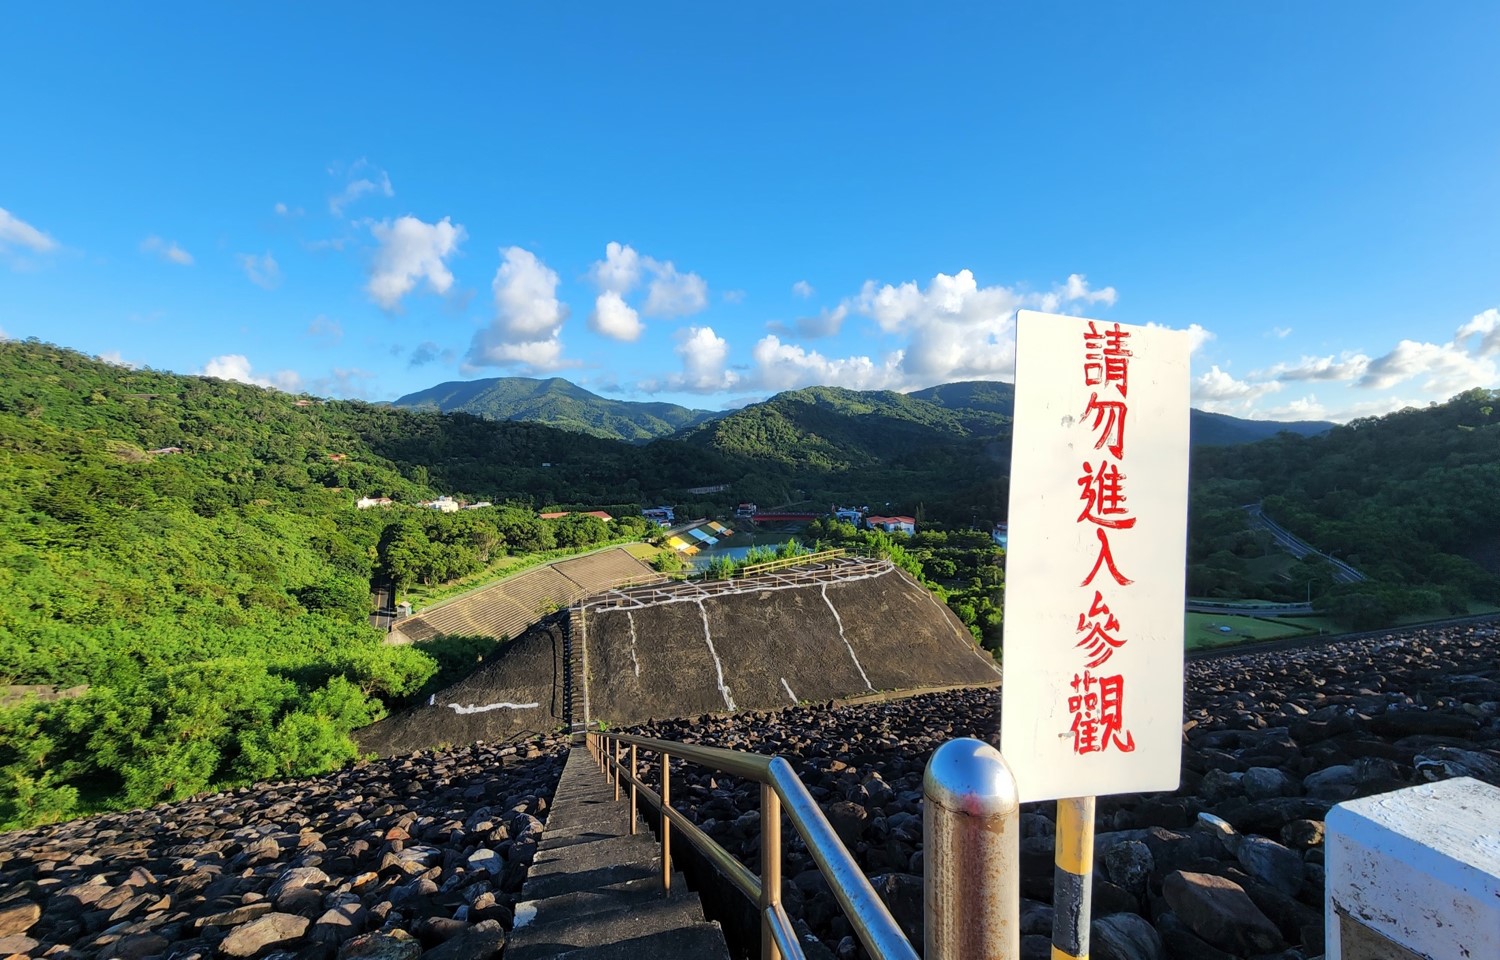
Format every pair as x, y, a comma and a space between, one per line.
581, 903
624, 922
614, 851
701, 941
594, 890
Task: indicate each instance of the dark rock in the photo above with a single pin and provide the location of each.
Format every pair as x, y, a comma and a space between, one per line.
482, 941
18, 917
902, 895
1441, 763
384, 945
273, 928
1129, 865
848, 821
1183, 943
1301, 834
1220, 912
1036, 917
1272, 863
1124, 936
1109, 898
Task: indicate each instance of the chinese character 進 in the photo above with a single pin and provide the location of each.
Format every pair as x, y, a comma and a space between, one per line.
1103, 496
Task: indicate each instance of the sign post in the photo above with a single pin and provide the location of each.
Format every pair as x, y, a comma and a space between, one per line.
1092, 701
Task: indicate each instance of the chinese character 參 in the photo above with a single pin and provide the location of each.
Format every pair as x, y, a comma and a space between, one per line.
1100, 641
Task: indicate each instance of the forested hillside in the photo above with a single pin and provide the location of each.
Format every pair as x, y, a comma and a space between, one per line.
557, 403
189, 549
825, 443
1404, 498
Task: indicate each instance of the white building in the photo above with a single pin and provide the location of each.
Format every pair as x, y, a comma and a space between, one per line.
441, 504
893, 524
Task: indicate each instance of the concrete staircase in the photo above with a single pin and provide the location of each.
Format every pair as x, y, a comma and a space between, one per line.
594, 891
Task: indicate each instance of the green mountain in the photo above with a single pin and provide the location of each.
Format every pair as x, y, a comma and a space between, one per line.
1204, 428
558, 403
189, 549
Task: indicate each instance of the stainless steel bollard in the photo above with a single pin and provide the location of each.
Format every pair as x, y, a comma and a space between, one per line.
971, 833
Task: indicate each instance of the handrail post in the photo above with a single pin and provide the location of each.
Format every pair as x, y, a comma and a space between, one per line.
634, 773
666, 824
972, 854
770, 868
616, 757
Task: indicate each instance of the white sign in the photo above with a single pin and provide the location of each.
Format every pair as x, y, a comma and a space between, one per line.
1095, 566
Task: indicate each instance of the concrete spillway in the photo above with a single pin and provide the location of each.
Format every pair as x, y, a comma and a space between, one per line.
685, 651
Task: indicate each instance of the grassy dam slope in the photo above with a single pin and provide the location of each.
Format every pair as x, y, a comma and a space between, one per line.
683, 650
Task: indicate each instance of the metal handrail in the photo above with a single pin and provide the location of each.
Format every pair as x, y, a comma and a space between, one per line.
784, 562
780, 787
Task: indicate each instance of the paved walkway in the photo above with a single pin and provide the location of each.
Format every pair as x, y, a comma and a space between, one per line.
594, 891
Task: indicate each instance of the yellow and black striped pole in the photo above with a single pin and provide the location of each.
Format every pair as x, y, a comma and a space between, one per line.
1072, 884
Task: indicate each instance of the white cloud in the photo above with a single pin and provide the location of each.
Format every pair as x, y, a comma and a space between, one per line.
786, 366
378, 182
826, 324
411, 250
15, 232
1303, 408
168, 251
733, 296
1487, 326
351, 383
526, 331
1446, 368
1197, 335
282, 210
325, 331
1219, 392
1281, 333
1076, 290
1348, 366
3, 334
704, 355
614, 318
236, 367
114, 359
263, 271
668, 294
619, 271
803, 289
673, 294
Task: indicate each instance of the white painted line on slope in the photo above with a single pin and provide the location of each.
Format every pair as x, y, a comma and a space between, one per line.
502, 705
723, 687
840, 621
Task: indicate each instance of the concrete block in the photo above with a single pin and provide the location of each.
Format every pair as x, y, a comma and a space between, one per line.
1415, 873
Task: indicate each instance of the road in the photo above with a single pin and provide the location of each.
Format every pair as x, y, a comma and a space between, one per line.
1342, 572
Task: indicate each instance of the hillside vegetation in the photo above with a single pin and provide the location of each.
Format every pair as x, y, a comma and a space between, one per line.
1404, 498
189, 549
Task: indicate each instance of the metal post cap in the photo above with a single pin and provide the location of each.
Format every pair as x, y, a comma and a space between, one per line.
970, 776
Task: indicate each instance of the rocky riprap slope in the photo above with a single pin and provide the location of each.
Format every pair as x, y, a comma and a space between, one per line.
380, 859
1271, 741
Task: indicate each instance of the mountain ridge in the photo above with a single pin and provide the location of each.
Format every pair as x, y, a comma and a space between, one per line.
558, 402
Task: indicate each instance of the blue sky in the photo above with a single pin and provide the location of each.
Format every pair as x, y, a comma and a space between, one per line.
708, 206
